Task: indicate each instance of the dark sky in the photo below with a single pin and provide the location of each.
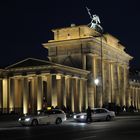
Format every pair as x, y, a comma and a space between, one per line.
26, 24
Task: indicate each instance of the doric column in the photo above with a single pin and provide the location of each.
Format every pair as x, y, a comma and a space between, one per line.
125, 76
1, 97
117, 81
25, 88
85, 95
126, 83
80, 95
33, 98
103, 96
84, 61
54, 91
109, 88
112, 84
127, 88
11, 94
138, 98
60, 86
99, 88
90, 95
94, 72
91, 84
107, 83
122, 85
133, 92
131, 95
39, 93
90, 88
68, 93
49, 90
128, 97
63, 88
72, 94
5, 95
76, 94
17, 95
135, 96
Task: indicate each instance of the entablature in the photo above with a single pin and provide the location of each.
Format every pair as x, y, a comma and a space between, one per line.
87, 45
53, 69
134, 83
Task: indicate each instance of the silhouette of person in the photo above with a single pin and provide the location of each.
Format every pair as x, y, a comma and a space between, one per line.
89, 117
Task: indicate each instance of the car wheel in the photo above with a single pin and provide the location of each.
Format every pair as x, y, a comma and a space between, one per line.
58, 121
34, 123
108, 118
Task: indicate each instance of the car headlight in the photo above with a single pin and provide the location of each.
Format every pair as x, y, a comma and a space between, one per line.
82, 117
19, 119
27, 119
74, 116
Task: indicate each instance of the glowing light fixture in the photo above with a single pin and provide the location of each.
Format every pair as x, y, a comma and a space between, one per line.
96, 81
27, 119
82, 117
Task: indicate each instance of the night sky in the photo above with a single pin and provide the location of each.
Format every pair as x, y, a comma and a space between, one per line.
26, 24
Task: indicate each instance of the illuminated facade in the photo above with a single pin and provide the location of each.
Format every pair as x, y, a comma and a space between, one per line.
134, 88
30, 84
78, 55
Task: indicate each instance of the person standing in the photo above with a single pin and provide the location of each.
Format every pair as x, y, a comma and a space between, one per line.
89, 117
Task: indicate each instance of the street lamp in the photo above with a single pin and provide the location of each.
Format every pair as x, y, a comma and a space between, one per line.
96, 81
102, 84
95, 24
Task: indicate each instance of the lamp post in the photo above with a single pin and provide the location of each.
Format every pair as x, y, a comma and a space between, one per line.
95, 24
96, 82
102, 84
100, 30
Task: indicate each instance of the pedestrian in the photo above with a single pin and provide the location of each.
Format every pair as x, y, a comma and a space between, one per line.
89, 117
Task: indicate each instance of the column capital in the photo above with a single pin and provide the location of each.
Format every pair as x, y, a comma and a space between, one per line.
93, 55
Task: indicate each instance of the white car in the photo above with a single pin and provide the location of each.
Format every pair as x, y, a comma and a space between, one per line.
55, 116
96, 114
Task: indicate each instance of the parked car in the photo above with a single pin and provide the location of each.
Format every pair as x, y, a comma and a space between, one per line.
55, 116
96, 114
